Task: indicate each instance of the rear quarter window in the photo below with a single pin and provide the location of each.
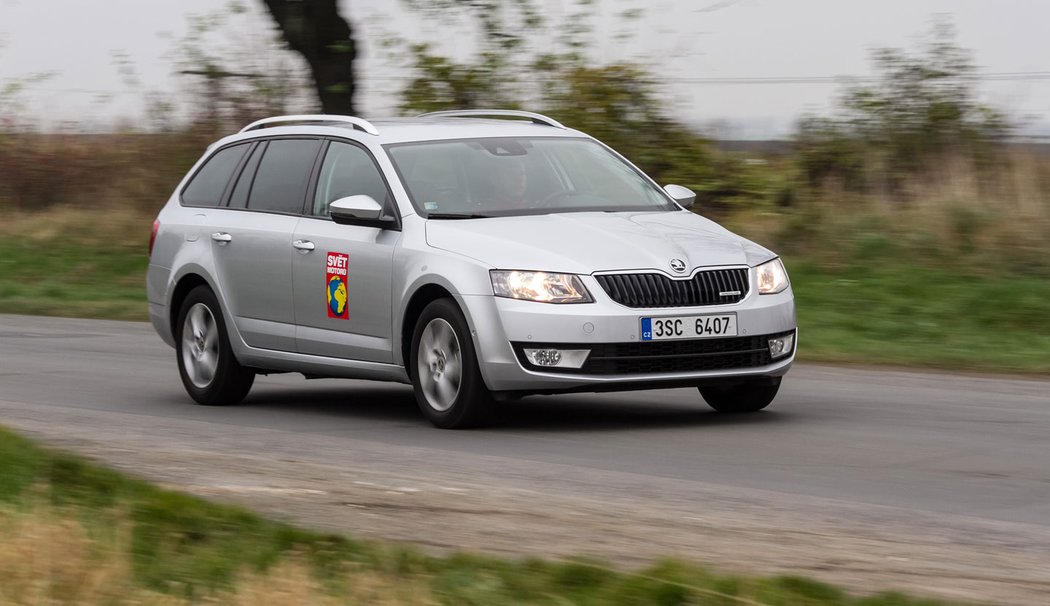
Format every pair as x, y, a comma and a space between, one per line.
209, 183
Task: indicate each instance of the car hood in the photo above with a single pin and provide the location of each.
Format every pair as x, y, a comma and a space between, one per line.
587, 242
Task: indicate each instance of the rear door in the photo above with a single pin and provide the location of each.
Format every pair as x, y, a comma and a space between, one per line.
342, 273
253, 245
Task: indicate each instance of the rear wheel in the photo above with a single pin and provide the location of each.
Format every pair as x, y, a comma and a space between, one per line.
209, 371
445, 375
741, 397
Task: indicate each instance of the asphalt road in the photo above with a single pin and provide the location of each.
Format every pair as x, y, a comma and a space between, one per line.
940, 481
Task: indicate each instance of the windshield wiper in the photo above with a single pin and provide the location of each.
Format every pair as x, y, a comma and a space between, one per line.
457, 216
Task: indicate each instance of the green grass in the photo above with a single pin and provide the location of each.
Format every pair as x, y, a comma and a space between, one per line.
913, 316
878, 308
191, 548
75, 279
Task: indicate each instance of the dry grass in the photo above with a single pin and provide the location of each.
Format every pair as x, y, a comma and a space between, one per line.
953, 216
95, 187
89, 227
131, 171
47, 557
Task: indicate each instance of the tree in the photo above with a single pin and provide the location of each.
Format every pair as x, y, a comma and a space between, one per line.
234, 74
314, 29
921, 108
516, 65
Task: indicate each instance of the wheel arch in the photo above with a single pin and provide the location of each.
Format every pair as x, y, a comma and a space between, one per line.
423, 295
186, 283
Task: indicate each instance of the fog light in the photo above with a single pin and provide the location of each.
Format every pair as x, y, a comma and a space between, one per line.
557, 358
544, 357
781, 345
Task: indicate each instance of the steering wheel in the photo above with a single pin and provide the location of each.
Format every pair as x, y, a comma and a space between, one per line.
548, 200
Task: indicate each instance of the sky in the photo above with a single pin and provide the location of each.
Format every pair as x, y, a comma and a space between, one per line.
686, 43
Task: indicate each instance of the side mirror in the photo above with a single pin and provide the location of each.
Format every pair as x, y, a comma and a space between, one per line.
355, 207
359, 210
681, 195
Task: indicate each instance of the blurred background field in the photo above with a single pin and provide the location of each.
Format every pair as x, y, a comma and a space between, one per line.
914, 227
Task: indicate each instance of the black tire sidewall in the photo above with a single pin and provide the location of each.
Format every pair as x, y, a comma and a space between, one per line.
473, 404
232, 381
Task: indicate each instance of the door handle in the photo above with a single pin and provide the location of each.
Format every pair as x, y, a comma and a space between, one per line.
222, 238
303, 246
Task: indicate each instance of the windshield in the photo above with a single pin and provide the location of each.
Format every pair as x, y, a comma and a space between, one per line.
520, 176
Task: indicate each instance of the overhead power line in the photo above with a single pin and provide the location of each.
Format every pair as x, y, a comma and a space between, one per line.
981, 77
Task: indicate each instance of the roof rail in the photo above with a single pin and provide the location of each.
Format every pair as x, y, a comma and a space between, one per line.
480, 113
358, 123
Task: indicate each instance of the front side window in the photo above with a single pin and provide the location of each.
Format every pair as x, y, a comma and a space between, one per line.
348, 170
208, 185
521, 176
280, 181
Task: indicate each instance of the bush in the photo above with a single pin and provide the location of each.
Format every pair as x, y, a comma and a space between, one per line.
920, 110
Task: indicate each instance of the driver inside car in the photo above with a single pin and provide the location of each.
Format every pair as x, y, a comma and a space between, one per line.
505, 183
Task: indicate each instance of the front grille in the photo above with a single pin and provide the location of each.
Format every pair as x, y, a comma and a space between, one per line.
658, 290
650, 357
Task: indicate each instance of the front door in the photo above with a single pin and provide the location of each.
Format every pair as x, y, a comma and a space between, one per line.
342, 273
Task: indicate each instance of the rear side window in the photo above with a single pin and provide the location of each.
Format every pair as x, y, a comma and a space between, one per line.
207, 186
280, 182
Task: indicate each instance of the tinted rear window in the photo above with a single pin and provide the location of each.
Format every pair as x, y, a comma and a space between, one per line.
280, 182
207, 186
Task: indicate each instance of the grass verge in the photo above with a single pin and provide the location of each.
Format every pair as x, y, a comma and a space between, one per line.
920, 317
72, 532
882, 311
74, 263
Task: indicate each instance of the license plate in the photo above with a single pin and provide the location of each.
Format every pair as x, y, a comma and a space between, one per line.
689, 327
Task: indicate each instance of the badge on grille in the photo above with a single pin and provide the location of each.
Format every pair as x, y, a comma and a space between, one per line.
678, 265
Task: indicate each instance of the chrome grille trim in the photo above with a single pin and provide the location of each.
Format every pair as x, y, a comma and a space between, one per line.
652, 289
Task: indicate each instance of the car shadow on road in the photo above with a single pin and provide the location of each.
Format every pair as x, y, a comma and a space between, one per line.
382, 403
590, 412
571, 413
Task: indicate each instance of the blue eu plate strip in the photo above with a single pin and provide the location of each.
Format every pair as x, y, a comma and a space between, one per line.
647, 329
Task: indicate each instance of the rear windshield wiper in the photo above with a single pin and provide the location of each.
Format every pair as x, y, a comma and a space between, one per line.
457, 216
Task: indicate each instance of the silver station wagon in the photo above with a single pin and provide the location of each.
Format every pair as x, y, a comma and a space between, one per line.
478, 255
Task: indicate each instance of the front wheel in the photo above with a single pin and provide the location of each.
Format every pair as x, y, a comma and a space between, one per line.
741, 397
209, 370
445, 375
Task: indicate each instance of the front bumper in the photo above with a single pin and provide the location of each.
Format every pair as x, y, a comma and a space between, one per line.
500, 325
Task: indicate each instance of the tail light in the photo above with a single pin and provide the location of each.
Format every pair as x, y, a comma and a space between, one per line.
153, 235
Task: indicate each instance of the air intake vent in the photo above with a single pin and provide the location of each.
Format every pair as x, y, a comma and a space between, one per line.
710, 287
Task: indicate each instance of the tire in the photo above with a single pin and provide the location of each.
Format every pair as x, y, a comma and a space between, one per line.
209, 371
444, 367
741, 397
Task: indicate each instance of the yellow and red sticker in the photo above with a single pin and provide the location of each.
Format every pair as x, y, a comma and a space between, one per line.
335, 282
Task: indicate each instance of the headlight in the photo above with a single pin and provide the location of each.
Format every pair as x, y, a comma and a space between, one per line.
772, 277
539, 286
